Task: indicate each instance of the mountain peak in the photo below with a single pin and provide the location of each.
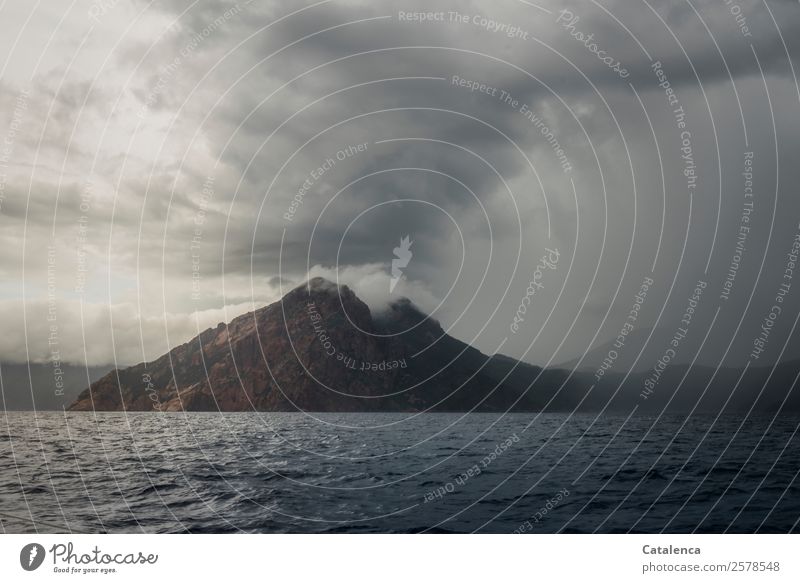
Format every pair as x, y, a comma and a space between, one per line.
318, 287
402, 314
318, 349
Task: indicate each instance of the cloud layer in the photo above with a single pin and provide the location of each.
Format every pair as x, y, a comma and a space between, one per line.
176, 164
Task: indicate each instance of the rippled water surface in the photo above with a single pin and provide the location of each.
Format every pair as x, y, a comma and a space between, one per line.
290, 472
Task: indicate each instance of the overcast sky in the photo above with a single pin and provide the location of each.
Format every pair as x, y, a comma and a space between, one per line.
150, 155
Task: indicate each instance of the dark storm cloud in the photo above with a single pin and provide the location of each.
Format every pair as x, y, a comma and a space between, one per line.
206, 121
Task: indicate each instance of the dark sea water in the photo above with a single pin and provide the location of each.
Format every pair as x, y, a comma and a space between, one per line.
290, 472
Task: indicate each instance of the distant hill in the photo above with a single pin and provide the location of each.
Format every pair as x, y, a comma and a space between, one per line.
709, 390
16, 381
321, 349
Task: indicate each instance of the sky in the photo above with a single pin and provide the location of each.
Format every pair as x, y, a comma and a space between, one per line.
563, 171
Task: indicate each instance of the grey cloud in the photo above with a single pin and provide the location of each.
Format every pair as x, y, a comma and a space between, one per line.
146, 244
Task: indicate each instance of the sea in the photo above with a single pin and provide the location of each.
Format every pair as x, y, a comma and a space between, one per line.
397, 473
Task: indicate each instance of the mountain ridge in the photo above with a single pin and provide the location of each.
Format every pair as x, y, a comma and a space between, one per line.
319, 348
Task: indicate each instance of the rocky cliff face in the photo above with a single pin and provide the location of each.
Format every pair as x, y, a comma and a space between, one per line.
318, 349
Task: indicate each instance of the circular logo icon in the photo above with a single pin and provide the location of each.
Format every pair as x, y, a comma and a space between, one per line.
31, 556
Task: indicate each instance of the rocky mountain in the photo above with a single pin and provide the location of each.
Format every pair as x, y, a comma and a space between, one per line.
44, 386
319, 349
